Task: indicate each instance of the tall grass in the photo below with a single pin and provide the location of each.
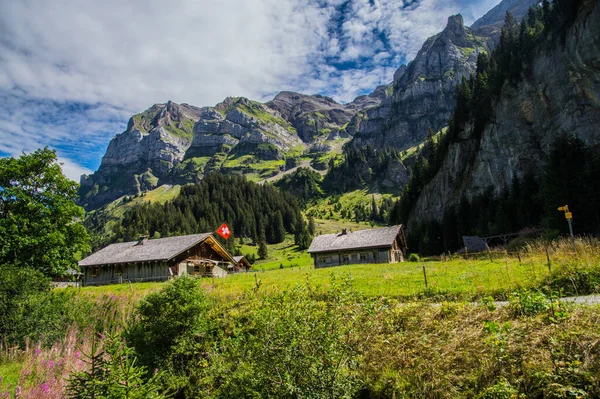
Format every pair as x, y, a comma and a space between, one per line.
43, 372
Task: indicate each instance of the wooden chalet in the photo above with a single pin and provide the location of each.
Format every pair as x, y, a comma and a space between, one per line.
242, 263
382, 245
158, 259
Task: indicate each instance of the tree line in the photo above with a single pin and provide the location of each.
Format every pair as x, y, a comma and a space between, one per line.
260, 213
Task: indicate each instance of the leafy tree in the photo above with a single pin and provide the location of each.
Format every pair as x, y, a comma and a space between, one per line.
39, 224
277, 229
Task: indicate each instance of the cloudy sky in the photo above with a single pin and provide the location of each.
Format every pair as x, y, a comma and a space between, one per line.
72, 72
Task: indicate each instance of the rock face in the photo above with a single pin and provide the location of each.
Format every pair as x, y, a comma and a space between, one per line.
422, 96
239, 125
562, 94
137, 159
311, 116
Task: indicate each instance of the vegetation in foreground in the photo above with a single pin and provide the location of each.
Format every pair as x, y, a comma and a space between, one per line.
306, 342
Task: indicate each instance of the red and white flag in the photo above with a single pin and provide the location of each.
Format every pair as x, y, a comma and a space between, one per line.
224, 231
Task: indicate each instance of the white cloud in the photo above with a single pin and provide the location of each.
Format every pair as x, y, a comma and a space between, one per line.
72, 170
121, 57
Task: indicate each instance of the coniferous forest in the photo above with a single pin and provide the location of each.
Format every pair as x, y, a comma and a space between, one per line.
256, 212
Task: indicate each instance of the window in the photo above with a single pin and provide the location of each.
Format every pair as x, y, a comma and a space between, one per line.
363, 256
354, 258
95, 271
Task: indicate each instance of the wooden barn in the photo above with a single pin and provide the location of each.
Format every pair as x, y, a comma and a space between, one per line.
158, 259
382, 245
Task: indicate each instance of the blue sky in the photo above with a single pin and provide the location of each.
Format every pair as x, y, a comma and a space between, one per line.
72, 72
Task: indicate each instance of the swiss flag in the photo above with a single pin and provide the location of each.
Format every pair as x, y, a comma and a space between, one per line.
224, 231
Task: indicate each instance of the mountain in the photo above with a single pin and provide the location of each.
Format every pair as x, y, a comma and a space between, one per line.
422, 96
179, 143
154, 142
175, 144
423, 92
556, 94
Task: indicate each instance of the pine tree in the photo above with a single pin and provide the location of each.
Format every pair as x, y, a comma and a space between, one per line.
263, 250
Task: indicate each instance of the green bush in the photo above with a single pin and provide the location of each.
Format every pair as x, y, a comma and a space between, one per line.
291, 344
413, 258
170, 322
28, 308
501, 390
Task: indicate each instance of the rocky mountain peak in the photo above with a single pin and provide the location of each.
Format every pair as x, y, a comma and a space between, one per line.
456, 24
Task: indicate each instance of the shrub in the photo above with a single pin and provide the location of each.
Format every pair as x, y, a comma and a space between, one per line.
413, 258
166, 321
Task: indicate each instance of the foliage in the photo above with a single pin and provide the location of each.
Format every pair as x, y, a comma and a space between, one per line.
413, 258
168, 320
263, 250
303, 183
29, 310
38, 214
361, 167
112, 372
250, 210
293, 344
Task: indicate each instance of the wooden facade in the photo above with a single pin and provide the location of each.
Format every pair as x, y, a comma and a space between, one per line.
384, 245
204, 258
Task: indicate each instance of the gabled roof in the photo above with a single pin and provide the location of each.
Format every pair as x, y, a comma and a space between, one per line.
374, 238
130, 252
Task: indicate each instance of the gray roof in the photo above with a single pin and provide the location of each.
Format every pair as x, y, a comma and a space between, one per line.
374, 238
238, 258
158, 249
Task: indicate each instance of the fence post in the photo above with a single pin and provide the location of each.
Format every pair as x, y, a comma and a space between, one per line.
425, 277
549, 262
519, 256
489, 252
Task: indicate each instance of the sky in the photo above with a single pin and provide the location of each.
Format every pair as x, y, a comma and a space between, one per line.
72, 72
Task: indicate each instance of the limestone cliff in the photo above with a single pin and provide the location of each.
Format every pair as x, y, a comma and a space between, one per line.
137, 159
422, 96
559, 93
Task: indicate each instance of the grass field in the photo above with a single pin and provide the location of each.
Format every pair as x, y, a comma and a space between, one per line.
455, 278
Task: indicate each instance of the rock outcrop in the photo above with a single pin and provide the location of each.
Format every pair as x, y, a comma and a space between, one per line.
137, 159
560, 94
422, 96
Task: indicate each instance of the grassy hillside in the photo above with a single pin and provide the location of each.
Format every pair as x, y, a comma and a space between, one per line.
101, 221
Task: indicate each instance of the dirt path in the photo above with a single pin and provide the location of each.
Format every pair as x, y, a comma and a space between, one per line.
303, 164
580, 300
